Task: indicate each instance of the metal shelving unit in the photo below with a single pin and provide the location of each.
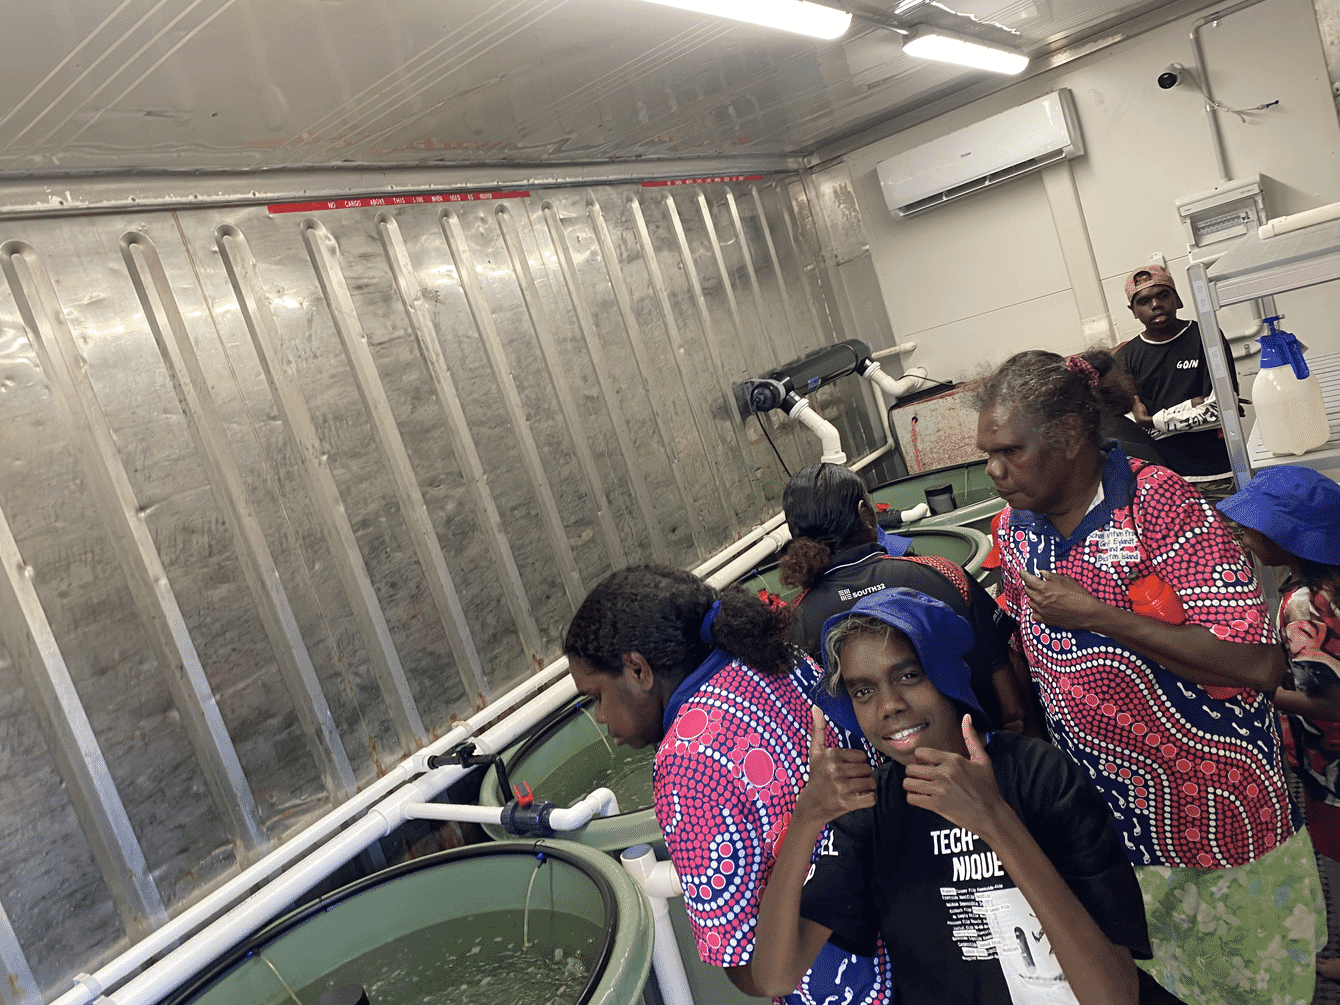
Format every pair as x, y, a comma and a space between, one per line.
1252, 269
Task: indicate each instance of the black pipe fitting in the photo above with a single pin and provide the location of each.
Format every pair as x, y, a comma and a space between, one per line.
466, 756
527, 820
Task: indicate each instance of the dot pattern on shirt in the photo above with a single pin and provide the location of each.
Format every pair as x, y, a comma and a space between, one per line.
1193, 780
726, 779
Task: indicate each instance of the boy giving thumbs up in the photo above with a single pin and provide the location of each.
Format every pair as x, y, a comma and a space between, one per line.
988, 863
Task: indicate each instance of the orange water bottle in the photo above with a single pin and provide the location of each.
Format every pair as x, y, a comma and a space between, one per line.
1154, 598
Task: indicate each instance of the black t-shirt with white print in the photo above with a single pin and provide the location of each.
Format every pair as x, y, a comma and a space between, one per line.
1169, 373
958, 930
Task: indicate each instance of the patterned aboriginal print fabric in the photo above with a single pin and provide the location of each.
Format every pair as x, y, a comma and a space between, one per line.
1193, 781
1310, 625
726, 778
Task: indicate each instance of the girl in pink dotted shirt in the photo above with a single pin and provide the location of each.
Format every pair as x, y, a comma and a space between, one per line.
715, 681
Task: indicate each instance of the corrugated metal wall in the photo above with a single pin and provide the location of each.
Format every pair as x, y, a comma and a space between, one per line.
284, 492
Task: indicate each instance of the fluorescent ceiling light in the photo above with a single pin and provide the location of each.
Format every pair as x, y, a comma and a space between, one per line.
943, 46
797, 16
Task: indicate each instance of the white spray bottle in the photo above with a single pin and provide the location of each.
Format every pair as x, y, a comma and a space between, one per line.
1289, 409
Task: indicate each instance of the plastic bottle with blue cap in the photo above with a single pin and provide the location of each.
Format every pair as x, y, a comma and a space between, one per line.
1289, 409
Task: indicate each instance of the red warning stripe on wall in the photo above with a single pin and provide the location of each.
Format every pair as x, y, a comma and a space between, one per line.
703, 181
394, 200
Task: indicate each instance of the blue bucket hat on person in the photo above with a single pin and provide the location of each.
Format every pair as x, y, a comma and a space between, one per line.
939, 636
1296, 507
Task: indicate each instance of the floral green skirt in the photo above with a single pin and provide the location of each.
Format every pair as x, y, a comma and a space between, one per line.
1237, 936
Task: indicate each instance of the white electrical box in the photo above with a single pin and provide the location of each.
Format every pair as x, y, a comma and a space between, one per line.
1215, 218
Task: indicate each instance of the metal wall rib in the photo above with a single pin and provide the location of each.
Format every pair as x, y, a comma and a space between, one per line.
163, 315
382, 452
467, 274
608, 392
74, 747
646, 387
458, 431
313, 464
42, 313
324, 252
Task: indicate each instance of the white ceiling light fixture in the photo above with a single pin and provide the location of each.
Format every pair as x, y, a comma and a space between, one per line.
926, 42
798, 16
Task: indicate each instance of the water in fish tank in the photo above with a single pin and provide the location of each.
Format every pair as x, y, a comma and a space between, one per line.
626, 772
479, 959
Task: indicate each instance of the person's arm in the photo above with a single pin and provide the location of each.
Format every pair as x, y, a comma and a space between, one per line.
1324, 706
1190, 651
1194, 413
964, 792
786, 944
1019, 706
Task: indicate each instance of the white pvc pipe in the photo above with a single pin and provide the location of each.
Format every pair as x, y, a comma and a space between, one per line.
89, 986
454, 811
274, 897
579, 814
894, 350
770, 544
913, 380
829, 437
1297, 221
874, 455
640, 863
1198, 55
659, 879
730, 551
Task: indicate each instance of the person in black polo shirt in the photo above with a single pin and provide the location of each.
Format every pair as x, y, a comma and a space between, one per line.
835, 556
1176, 397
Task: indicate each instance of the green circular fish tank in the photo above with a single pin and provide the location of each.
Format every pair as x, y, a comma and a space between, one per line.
962, 545
975, 494
567, 756
475, 925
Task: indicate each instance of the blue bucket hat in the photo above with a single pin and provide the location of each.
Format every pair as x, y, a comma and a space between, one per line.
939, 636
1296, 507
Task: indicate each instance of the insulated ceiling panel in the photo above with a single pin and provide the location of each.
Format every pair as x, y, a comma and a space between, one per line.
127, 85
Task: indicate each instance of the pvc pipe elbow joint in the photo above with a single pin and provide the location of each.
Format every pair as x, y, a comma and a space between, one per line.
913, 380
579, 814
829, 437
658, 879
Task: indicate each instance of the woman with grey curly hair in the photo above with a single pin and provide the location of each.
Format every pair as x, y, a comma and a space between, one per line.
1169, 713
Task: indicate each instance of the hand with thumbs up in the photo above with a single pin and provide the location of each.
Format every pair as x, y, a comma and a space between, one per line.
960, 789
840, 779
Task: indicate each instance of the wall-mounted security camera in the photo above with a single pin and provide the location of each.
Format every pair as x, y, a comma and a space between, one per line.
1171, 75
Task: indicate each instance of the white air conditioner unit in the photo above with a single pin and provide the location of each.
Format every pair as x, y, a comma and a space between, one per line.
986, 153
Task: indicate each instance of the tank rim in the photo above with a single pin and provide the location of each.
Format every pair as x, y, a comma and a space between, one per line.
540, 735
244, 950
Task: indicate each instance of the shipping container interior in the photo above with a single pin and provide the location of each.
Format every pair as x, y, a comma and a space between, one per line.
344, 344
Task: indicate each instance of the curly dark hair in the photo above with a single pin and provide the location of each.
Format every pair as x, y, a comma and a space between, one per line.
1316, 575
1038, 383
822, 504
657, 610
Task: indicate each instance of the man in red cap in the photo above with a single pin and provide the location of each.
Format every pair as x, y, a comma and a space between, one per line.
1176, 400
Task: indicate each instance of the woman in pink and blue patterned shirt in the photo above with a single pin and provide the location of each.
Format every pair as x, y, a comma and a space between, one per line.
714, 679
1172, 721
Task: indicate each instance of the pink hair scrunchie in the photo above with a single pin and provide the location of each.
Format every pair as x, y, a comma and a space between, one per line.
1081, 366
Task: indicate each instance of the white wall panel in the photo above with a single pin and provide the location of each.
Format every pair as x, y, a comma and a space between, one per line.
974, 267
